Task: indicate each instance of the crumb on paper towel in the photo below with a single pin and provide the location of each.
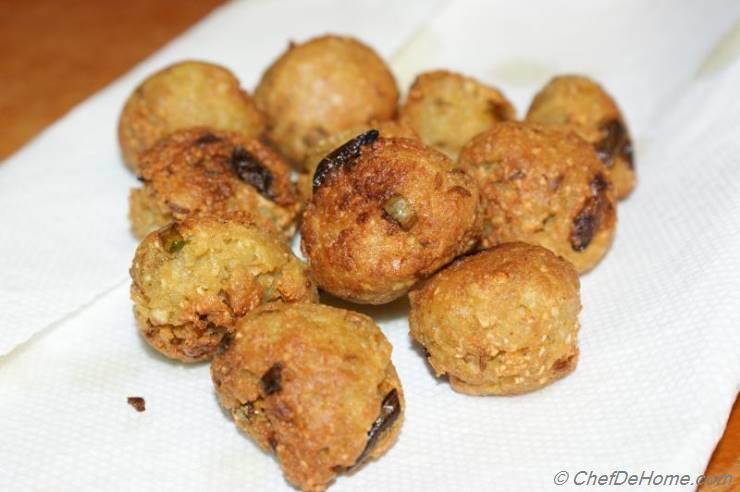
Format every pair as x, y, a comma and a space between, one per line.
137, 402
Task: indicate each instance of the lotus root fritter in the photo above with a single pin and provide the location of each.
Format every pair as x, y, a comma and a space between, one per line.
501, 322
314, 385
583, 105
385, 213
543, 186
202, 172
185, 95
323, 86
447, 109
193, 280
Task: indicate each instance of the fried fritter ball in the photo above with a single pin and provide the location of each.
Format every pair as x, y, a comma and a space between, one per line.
386, 129
205, 172
185, 95
192, 280
448, 109
385, 213
318, 88
543, 186
313, 384
501, 322
584, 106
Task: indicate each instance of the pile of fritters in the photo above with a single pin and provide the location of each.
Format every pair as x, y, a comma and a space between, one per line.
484, 221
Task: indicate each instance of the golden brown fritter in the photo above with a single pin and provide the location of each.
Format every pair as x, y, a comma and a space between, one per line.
385, 213
386, 129
448, 109
313, 384
192, 280
201, 172
543, 186
501, 322
323, 86
584, 106
185, 95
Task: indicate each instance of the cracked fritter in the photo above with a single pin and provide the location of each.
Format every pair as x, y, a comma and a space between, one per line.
384, 214
447, 109
185, 95
544, 186
192, 280
323, 86
501, 322
313, 384
584, 106
200, 172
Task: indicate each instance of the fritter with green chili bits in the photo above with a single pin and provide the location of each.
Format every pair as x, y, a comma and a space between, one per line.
192, 280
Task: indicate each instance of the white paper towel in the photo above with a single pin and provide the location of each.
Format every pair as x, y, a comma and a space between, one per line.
660, 341
63, 202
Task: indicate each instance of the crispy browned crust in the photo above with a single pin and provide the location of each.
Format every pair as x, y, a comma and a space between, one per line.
308, 383
503, 321
447, 109
358, 251
543, 186
199, 172
584, 106
323, 86
386, 128
192, 280
185, 95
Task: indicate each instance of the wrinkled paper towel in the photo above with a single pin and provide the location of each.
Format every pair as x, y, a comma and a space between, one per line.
660, 339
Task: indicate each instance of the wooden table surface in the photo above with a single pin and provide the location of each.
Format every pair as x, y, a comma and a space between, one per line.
57, 53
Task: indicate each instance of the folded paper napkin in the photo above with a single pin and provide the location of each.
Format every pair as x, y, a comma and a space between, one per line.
660, 338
